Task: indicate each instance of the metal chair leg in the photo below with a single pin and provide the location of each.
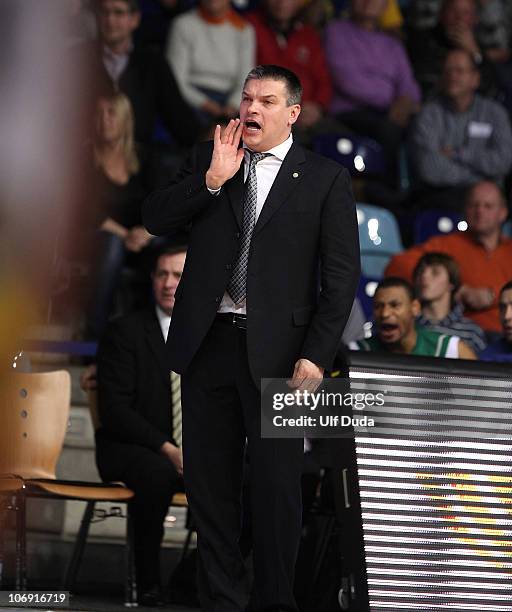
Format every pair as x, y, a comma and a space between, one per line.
324, 537
4, 505
130, 597
78, 550
19, 504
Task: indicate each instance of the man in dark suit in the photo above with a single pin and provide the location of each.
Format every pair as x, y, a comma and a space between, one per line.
140, 72
135, 443
267, 289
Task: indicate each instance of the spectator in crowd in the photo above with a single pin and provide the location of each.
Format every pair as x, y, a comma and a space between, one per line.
210, 49
394, 311
375, 92
492, 29
460, 137
501, 349
142, 73
284, 39
140, 416
121, 178
484, 255
458, 28
436, 282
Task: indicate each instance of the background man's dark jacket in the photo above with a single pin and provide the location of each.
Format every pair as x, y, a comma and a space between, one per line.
134, 392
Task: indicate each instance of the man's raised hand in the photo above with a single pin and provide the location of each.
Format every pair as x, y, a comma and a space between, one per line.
226, 157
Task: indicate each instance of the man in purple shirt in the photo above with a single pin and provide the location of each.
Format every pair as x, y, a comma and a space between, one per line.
375, 92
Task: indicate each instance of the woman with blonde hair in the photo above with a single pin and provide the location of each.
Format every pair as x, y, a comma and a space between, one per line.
121, 183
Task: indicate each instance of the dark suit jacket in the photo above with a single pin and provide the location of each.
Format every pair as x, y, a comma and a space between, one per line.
305, 236
152, 89
134, 391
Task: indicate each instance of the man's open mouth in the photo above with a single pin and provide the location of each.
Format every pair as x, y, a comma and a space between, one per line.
252, 126
388, 327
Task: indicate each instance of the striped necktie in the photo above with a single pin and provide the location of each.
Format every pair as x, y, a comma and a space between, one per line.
176, 408
237, 284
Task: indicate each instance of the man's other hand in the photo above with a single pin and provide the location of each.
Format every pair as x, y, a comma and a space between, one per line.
88, 378
307, 376
174, 454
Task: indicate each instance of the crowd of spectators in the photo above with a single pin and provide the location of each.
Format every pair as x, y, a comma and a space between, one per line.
429, 81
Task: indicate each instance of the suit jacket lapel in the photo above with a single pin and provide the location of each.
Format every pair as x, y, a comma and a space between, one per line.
287, 180
156, 342
235, 191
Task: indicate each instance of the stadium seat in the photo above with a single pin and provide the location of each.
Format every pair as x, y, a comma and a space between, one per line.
507, 228
365, 291
379, 238
360, 155
428, 223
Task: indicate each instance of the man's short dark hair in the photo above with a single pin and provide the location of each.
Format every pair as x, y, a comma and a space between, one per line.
396, 281
133, 5
506, 287
279, 73
169, 250
469, 191
440, 259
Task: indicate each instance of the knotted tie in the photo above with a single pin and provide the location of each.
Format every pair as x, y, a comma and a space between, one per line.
237, 284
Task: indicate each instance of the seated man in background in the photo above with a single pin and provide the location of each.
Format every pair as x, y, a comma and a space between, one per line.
140, 72
483, 254
375, 93
283, 39
436, 282
394, 311
436, 27
460, 137
501, 349
140, 415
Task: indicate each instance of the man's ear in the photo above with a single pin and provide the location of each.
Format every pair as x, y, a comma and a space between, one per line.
294, 113
135, 20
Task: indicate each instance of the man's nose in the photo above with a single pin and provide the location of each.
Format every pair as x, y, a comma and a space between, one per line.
508, 313
385, 312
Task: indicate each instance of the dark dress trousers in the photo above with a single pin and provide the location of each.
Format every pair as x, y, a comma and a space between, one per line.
134, 401
305, 238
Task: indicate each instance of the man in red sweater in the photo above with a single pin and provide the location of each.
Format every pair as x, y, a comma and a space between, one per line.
484, 255
281, 38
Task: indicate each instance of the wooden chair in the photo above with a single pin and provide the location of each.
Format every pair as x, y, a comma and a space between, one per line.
178, 500
33, 422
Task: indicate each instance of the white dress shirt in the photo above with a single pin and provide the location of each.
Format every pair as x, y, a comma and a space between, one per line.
266, 172
165, 321
115, 63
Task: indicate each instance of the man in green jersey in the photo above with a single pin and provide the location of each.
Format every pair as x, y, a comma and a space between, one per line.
395, 309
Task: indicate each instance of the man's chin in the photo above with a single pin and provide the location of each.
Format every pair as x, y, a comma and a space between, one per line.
252, 139
167, 306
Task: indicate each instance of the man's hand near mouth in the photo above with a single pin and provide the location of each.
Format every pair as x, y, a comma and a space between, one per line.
226, 157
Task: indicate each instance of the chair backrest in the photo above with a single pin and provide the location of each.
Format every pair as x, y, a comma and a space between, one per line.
365, 293
432, 222
33, 423
507, 228
358, 154
379, 238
